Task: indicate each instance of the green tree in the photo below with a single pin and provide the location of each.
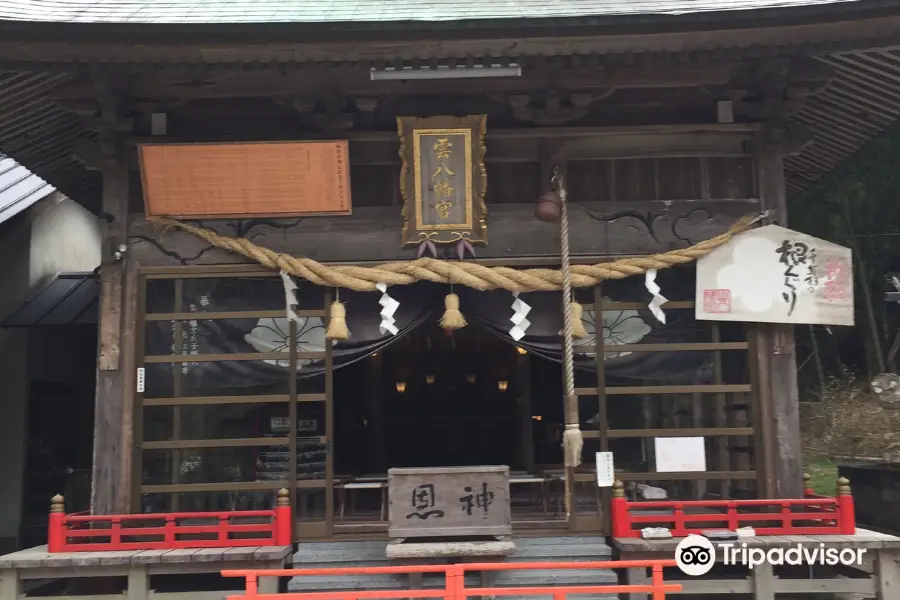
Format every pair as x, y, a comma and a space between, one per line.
858, 206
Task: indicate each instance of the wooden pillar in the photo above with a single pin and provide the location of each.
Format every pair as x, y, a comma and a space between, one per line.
116, 374
375, 414
526, 424
778, 406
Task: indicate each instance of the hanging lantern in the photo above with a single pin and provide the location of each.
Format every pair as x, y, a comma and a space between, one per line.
401, 386
502, 385
429, 379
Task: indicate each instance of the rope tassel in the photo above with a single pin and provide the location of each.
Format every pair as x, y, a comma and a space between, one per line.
452, 319
578, 330
337, 323
573, 443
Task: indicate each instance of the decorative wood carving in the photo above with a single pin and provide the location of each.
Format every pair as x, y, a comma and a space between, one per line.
371, 234
331, 114
443, 179
553, 108
777, 89
104, 115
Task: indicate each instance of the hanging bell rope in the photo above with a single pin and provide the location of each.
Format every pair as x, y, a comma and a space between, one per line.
469, 274
572, 441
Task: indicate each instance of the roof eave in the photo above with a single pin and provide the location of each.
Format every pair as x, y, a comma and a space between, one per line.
634, 23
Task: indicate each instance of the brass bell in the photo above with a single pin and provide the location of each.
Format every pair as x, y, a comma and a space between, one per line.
549, 208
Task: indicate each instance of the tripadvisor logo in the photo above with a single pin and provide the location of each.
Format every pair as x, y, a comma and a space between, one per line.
695, 555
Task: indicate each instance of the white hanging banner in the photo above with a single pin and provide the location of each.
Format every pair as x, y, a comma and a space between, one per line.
290, 296
519, 320
606, 473
389, 306
658, 299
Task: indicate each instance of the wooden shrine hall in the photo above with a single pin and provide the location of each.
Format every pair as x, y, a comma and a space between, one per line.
381, 264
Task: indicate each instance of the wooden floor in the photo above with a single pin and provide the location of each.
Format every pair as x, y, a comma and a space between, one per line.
137, 566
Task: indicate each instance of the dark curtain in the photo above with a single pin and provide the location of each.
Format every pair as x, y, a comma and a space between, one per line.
234, 336
418, 303
493, 310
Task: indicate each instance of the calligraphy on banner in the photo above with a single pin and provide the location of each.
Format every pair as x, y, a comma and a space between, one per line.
443, 179
775, 275
450, 501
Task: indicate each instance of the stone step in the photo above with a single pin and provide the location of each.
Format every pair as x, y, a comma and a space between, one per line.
561, 549
326, 553
555, 577
372, 582
527, 549
348, 582
371, 553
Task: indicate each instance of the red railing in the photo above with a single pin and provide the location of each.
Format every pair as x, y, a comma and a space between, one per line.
454, 581
817, 515
169, 531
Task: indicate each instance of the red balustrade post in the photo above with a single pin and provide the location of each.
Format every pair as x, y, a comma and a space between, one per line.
252, 589
680, 524
808, 491
732, 513
787, 520
657, 581
56, 527
115, 537
284, 526
618, 510
846, 512
455, 580
224, 521
169, 531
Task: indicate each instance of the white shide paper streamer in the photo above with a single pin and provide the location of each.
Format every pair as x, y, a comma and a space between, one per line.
520, 323
290, 296
388, 308
658, 299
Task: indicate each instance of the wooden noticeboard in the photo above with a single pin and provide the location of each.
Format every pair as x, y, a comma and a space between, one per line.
449, 501
246, 180
776, 275
443, 179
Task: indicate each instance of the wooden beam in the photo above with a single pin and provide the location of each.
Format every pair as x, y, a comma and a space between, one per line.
614, 147
310, 83
373, 234
619, 132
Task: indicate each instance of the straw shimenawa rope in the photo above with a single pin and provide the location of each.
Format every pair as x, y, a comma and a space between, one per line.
470, 274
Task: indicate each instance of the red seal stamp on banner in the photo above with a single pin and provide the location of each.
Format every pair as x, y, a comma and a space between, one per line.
716, 302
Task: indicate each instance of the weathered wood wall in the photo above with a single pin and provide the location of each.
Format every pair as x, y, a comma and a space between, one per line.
619, 207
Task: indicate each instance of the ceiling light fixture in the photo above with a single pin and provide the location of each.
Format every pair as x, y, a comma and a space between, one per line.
445, 72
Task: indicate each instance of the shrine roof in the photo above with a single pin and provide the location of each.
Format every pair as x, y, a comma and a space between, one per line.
19, 188
375, 11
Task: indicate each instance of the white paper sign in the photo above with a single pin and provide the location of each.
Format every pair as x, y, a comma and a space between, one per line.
606, 474
680, 454
775, 275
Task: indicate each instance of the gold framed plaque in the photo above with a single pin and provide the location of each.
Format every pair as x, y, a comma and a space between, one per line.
443, 179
